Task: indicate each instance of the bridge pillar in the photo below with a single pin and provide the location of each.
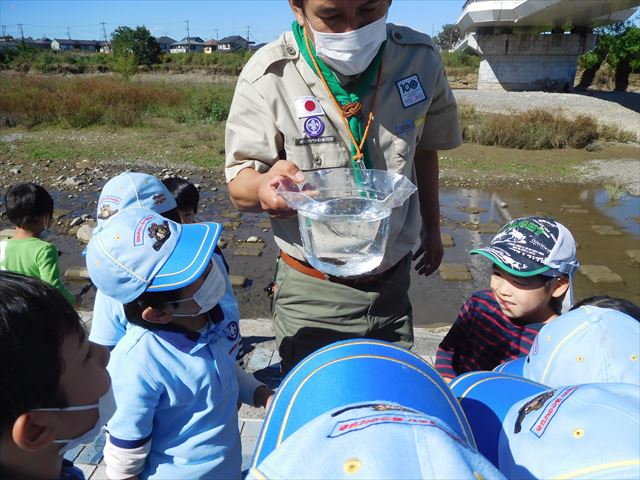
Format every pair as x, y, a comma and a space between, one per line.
528, 61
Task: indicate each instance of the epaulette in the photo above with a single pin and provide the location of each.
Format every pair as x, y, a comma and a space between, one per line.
407, 36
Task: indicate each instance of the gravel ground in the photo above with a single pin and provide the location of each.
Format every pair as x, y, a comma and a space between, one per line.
618, 108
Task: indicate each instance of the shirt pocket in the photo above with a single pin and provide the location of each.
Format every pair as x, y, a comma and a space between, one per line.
310, 155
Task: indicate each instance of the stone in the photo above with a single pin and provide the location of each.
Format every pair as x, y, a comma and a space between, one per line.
58, 213
77, 272
14, 171
489, 228
447, 240
76, 221
73, 182
222, 243
84, 164
454, 272
264, 223
231, 225
607, 230
253, 239
600, 274
503, 205
472, 210
231, 215
238, 281
570, 207
634, 255
7, 233
249, 249
85, 232
576, 211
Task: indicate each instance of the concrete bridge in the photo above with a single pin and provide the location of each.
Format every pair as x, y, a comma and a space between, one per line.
534, 44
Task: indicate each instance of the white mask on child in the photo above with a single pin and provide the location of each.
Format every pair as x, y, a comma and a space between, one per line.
209, 294
350, 53
106, 406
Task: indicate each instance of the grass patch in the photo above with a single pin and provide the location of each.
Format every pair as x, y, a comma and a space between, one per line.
29, 101
535, 130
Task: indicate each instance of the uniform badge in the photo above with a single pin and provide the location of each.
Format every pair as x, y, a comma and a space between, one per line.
411, 91
232, 331
313, 127
531, 406
405, 127
106, 211
161, 233
158, 198
308, 107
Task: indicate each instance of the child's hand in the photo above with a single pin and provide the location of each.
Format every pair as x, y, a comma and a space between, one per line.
262, 396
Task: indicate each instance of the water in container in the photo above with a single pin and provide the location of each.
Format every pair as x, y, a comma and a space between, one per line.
344, 216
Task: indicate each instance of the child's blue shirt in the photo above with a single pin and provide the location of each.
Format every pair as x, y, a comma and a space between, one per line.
178, 390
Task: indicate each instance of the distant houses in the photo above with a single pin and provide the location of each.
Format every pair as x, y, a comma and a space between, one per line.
188, 44
234, 43
64, 45
229, 44
165, 44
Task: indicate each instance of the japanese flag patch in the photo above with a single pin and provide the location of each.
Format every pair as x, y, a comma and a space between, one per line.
411, 91
308, 107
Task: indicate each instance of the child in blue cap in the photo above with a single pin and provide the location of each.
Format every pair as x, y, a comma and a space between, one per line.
534, 260
175, 385
133, 189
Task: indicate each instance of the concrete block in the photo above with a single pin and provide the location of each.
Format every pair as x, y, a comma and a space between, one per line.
454, 272
249, 249
447, 240
76, 273
7, 233
238, 281
600, 274
634, 255
607, 230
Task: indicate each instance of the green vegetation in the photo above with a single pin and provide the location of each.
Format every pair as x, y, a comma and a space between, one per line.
79, 102
616, 55
535, 130
27, 59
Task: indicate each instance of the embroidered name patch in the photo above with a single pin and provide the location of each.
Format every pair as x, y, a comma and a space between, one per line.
315, 141
405, 127
411, 91
548, 413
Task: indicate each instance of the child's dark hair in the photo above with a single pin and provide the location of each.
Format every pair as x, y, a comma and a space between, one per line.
134, 309
614, 303
26, 203
185, 193
35, 319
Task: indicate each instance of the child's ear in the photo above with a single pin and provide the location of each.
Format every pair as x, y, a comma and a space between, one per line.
560, 287
32, 431
156, 315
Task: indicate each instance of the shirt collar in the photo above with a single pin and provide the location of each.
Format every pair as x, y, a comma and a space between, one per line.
190, 342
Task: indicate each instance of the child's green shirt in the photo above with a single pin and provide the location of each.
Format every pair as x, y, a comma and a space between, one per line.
35, 258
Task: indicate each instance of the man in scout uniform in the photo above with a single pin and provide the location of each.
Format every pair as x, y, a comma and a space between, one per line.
342, 89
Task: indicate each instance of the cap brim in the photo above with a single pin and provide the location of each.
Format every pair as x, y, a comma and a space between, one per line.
353, 372
490, 254
486, 398
190, 257
513, 367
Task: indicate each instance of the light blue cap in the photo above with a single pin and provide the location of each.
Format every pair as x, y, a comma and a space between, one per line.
132, 189
586, 431
586, 345
486, 397
139, 250
356, 389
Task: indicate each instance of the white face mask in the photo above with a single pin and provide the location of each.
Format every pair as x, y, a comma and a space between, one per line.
209, 294
106, 406
350, 53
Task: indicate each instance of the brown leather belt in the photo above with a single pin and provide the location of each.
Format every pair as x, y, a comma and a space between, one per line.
355, 282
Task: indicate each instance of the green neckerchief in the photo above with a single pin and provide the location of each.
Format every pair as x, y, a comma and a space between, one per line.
358, 88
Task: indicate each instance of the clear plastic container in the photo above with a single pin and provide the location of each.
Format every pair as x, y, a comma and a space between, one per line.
344, 216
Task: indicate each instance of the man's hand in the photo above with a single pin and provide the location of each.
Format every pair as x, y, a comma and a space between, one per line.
430, 250
270, 201
262, 396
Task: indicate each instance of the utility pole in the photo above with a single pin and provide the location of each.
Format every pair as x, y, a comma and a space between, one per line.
68, 33
21, 31
188, 37
247, 27
4, 30
216, 30
104, 32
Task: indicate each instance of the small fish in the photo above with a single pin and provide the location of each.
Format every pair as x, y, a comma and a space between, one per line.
333, 261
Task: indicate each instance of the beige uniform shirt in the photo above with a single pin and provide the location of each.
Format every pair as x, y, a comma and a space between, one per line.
415, 109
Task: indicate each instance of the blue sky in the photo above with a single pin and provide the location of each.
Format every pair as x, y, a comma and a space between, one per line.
266, 19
